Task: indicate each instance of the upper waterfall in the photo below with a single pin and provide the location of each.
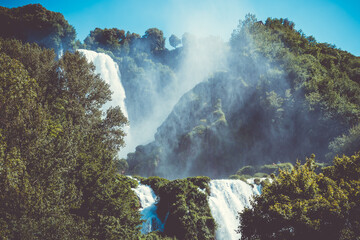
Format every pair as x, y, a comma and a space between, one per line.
109, 72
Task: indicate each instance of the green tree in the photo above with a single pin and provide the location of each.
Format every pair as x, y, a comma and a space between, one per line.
301, 204
174, 41
346, 173
58, 150
113, 41
34, 23
347, 143
109, 39
155, 39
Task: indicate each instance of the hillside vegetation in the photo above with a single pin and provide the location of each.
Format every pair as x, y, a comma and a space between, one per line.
283, 97
34, 23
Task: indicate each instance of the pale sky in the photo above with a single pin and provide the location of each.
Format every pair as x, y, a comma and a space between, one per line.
333, 21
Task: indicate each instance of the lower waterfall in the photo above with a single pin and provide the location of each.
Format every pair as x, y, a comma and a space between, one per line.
227, 198
148, 209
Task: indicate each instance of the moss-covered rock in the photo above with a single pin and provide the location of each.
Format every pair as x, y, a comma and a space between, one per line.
156, 183
263, 171
247, 170
273, 168
261, 175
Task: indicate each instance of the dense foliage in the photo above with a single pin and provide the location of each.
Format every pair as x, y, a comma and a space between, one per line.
327, 76
58, 150
262, 171
330, 77
114, 40
34, 23
301, 204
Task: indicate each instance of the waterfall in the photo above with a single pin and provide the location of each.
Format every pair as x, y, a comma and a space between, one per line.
227, 198
60, 51
148, 209
109, 72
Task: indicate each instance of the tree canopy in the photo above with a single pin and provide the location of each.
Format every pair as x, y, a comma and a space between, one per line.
174, 41
303, 204
34, 23
58, 150
155, 38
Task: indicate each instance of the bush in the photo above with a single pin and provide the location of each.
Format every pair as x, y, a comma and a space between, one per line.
155, 183
261, 175
273, 168
303, 204
247, 170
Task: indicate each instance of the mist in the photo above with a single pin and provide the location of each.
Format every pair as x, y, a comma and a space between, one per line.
234, 107
159, 87
210, 107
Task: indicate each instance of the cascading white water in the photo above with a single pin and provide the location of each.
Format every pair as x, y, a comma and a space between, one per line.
227, 198
148, 209
60, 51
109, 72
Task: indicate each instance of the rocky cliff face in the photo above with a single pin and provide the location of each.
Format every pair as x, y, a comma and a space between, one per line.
227, 122
275, 101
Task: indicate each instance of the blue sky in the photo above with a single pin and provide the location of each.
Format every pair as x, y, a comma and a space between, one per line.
333, 21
